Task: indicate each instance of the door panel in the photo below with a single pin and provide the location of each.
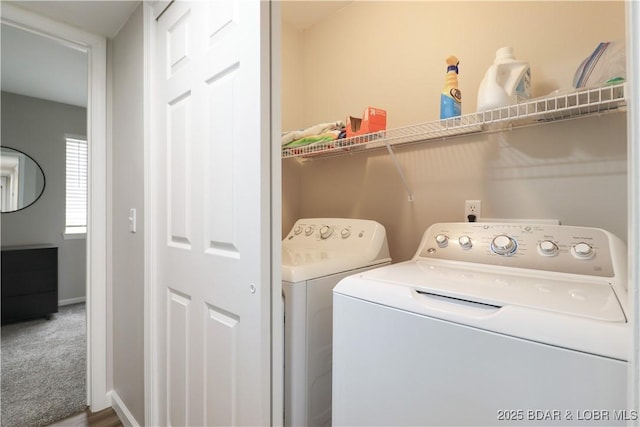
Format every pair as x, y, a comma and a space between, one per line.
221, 353
178, 36
219, 191
221, 18
177, 363
178, 171
210, 162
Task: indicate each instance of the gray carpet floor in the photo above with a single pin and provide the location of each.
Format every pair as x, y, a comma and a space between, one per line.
44, 369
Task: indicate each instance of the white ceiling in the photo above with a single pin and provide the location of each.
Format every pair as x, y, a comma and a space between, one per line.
95, 16
40, 67
43, 68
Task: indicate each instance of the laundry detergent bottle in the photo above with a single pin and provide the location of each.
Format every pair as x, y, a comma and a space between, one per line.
451, 98
506, 82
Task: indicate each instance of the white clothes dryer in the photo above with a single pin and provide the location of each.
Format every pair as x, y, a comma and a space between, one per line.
316, 254
488, 324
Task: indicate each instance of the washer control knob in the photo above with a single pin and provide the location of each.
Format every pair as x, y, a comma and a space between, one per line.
345, 232
582, 250
325, 231
548, 248
442, 240
308, 231
297, 230
465, 242
503, 245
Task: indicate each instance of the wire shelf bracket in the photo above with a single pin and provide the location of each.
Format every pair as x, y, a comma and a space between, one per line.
399, 170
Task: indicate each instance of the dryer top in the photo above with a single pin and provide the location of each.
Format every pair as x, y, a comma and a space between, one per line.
317, 247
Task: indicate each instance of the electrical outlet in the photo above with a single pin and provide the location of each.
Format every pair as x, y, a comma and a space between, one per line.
472, 207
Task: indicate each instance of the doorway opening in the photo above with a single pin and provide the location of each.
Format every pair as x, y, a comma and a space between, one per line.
94, 47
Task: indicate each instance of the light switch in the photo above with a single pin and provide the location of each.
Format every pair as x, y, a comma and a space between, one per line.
132, 220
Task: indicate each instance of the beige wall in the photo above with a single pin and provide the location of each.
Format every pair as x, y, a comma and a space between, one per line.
292, 74
292, 116
573, 171
391, 54
128, 192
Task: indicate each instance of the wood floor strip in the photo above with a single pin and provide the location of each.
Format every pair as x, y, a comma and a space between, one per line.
105, 418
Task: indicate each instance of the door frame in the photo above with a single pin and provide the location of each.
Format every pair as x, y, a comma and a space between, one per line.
95, 46
277, 303
633, 206
151, 396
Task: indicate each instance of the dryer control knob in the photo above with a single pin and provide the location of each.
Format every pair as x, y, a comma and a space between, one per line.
465, 242
325, 231
442, 240
548, 248
308, 231
503, 245
345, 232
582, 250
297, 230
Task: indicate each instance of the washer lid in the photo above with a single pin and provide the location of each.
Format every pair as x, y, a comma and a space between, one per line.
584, 297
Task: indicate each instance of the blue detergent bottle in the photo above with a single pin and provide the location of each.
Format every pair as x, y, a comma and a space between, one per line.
451, 97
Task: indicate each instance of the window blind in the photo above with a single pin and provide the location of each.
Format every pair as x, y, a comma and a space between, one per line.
76, 183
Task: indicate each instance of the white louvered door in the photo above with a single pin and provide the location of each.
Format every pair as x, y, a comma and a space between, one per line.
211, 210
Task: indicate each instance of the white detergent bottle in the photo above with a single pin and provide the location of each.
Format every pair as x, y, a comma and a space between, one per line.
507, 82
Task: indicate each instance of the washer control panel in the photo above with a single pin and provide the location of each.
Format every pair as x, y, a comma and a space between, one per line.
559, 248
335, 234
318, 247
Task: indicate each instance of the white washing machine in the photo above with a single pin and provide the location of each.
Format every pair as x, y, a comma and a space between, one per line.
316, 254
488, 324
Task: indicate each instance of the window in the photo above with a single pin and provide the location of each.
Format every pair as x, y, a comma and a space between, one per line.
76, 187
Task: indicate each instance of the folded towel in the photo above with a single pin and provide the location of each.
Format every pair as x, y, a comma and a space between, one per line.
313, 139
318, 129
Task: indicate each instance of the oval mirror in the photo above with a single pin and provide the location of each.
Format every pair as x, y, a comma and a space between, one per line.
22, 180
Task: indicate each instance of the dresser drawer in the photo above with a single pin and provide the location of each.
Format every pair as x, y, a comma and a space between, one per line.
29, 282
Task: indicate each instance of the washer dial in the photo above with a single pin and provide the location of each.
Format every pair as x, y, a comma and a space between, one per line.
465, 242
442, 240
325, 231
504, 245
547, 248
582, 250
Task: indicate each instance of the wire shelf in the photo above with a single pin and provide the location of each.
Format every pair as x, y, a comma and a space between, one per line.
540, 110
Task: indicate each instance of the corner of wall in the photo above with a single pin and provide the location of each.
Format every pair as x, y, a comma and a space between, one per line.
126, 417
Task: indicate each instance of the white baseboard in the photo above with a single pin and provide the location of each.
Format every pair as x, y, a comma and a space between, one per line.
70, 301
126, 417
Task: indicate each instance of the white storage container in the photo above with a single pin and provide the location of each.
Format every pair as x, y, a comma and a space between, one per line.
507, 81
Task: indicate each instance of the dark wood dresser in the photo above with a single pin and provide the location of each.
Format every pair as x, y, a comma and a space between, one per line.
29, 282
